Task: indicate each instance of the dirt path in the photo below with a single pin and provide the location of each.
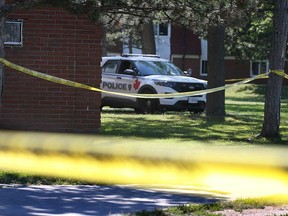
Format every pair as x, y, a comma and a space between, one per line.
267, 211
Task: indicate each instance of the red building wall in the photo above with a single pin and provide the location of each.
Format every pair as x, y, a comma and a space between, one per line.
184, 41
236, 69
61, 44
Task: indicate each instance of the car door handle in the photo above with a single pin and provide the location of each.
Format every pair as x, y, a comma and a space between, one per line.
119, 77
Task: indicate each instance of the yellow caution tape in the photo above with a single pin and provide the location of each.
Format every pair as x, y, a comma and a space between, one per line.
83, 86
240, 79
280, 73
235, 80
237, 172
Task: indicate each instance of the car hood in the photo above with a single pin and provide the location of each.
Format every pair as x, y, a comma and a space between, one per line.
182, 79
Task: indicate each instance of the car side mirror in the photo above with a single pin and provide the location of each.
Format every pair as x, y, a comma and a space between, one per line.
130, 72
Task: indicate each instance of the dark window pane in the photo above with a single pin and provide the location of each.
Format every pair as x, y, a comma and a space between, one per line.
13, 32
204, 67
255, 68
163, 29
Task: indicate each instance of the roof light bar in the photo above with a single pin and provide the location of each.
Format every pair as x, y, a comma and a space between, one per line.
139, 55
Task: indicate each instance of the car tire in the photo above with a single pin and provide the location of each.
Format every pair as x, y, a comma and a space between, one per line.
148, 105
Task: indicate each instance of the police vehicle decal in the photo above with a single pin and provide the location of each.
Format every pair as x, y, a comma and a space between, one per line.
136, 84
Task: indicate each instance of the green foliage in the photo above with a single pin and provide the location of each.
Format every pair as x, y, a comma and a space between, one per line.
194, 210
156, 212
248, 21
25, 179
208, 209
240, 204
197, 209
253, 40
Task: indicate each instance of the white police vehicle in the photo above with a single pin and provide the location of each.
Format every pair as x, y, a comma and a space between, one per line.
148, 74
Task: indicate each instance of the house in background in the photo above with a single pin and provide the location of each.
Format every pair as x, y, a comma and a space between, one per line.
189, 52
53, 41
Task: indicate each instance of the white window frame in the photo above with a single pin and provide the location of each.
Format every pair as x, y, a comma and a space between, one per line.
204, 57
15, 43
259, 67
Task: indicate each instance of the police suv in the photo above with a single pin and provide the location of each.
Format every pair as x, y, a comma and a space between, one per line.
148, 74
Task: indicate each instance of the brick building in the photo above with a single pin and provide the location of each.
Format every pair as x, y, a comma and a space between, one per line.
56, 42
185, 49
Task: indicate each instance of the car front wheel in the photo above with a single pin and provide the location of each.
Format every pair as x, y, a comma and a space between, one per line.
148, 105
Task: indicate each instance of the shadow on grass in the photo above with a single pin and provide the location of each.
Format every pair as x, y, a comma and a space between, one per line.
242, 123
253, 93
186, 127
255, 89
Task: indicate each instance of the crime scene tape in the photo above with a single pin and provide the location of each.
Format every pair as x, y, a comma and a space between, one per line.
280, 73
233, 172
83, 86
240, 79
237, 172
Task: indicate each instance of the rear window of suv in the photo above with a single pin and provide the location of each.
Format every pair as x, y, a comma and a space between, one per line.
110, 66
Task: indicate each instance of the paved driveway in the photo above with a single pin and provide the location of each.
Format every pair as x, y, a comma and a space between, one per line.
86, 200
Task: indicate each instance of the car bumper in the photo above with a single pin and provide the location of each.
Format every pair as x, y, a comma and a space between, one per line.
185, 106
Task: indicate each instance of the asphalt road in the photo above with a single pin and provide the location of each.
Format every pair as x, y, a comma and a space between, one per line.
87, 200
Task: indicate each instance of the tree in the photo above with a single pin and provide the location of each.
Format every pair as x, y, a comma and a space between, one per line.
1, 49
216, 73
271, 122
132, 32
211, 19
134, 27
253, 40
148, 38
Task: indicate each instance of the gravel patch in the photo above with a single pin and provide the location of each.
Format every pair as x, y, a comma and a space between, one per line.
267, 211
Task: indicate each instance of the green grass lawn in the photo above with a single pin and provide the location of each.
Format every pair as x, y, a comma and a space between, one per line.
244, 109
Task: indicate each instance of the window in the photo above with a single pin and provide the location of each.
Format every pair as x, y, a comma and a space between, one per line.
110, 67
204, 68
161, 29
258, 67
124, 66
13, 32
147, 68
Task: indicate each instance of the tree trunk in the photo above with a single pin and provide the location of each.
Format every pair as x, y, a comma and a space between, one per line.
104, 40
148, 38
216, 75
130, 42
2, 53
271, 122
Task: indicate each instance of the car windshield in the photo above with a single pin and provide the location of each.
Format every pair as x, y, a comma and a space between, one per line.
146, 68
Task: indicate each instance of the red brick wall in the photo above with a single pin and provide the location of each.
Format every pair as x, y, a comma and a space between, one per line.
61, 44
184, 41
235, 69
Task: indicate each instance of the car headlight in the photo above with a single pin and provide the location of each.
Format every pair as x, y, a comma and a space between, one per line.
165, 84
